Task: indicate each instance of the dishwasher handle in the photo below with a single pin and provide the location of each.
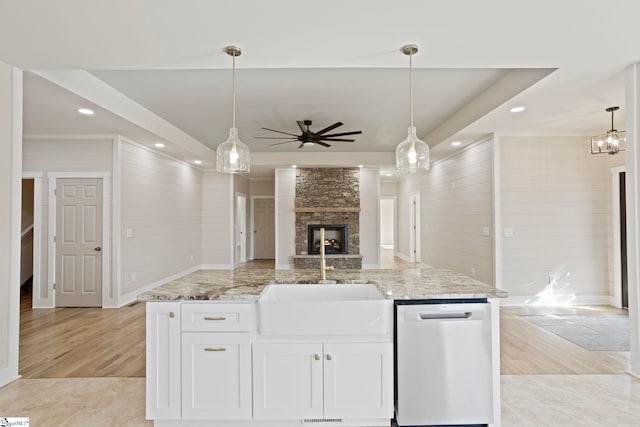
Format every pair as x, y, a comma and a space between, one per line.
441, 316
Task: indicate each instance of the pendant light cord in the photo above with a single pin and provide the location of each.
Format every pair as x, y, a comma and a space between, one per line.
234, 90
411, 88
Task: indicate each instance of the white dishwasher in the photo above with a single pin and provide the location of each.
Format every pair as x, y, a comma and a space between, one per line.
443, 363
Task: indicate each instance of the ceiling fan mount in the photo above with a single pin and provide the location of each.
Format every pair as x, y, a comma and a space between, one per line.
308, 137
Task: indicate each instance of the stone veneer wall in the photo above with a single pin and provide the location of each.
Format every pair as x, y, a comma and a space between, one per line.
328, 188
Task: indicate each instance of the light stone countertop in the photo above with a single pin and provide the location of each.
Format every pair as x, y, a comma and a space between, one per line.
247, 285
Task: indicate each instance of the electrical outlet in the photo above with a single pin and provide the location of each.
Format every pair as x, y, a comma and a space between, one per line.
133, 277
192, 258
485, 231
473, 272
453, 185
508, 232
129, 233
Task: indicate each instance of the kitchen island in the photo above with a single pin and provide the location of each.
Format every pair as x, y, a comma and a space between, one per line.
218, 351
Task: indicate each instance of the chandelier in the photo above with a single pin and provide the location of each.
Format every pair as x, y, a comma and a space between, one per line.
610, 142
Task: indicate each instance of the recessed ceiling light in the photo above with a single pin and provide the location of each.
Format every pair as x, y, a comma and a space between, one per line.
197, 162
388, 174
456, 143
518, 109
294, 166
86, 111
159, 144
360, 166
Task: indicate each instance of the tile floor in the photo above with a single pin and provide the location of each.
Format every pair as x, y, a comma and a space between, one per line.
527, 401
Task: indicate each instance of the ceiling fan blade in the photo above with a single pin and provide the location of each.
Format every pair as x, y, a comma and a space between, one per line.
285, 142
322, 143
355, 132
279, 131
338, 139
301, 124
301, 145
327, 129
270, 137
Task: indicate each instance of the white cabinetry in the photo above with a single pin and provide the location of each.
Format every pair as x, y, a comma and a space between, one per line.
338, 380
216, 361
163, 360
216, 375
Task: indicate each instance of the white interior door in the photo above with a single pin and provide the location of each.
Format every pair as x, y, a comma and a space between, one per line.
78, 241
241, 228
264, 223
414, 232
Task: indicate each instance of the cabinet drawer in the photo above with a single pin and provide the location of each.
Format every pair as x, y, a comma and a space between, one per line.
216, 317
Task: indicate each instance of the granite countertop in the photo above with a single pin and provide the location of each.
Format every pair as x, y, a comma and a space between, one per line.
247, 285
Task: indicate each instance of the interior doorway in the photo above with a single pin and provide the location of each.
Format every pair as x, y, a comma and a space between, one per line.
619, 215
414, 230
264, 225
387, 232
78, 242
241, 227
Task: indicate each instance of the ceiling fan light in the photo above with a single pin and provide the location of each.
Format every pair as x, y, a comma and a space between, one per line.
233, 155
412, 154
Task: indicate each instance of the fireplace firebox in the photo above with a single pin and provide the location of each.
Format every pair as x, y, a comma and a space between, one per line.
335, 238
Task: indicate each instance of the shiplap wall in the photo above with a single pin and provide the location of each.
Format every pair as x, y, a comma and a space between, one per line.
62, 155
455, 206
217, 220
556, 199
369, 218
162, 208
285, 198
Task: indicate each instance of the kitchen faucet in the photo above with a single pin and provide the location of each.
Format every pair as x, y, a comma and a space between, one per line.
323, 262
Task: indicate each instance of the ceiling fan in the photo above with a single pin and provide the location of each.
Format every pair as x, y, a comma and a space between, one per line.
308, 138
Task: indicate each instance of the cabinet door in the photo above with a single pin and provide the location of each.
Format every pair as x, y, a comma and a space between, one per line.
163, 360
358, 380
216, 375
287, 381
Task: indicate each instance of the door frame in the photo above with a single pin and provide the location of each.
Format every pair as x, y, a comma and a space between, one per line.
252, 253
106, 244
616, 299
38, 300
414, 233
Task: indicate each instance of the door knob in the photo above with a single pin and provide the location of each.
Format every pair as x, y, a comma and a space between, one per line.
97, 249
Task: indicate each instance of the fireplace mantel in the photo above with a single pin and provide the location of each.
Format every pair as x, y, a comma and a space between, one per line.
327, 209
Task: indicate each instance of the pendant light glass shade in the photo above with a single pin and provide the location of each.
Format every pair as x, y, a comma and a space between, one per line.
412, 154
233, 155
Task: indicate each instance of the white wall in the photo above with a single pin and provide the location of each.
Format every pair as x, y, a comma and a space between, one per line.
71, 156
217, 220
387, 222
369, 218
10, 189
262, 186
456, 204
388, 188
241, 186
285, 193
162, 212
556, 199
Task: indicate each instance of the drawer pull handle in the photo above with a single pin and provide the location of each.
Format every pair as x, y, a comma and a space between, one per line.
329, 357
316, 357
172, 314
215, 349
215, 318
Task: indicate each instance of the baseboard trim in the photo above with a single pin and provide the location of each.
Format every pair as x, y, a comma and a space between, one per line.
132, 296
403, 256
577, 300
217, 267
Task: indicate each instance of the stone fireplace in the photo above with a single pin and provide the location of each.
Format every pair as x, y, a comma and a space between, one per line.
328, 197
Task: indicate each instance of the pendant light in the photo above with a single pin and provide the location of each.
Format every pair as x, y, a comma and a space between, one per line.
232, 155
412, 154
610, 142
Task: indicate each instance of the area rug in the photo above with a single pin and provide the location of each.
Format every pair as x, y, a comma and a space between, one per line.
594, 332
